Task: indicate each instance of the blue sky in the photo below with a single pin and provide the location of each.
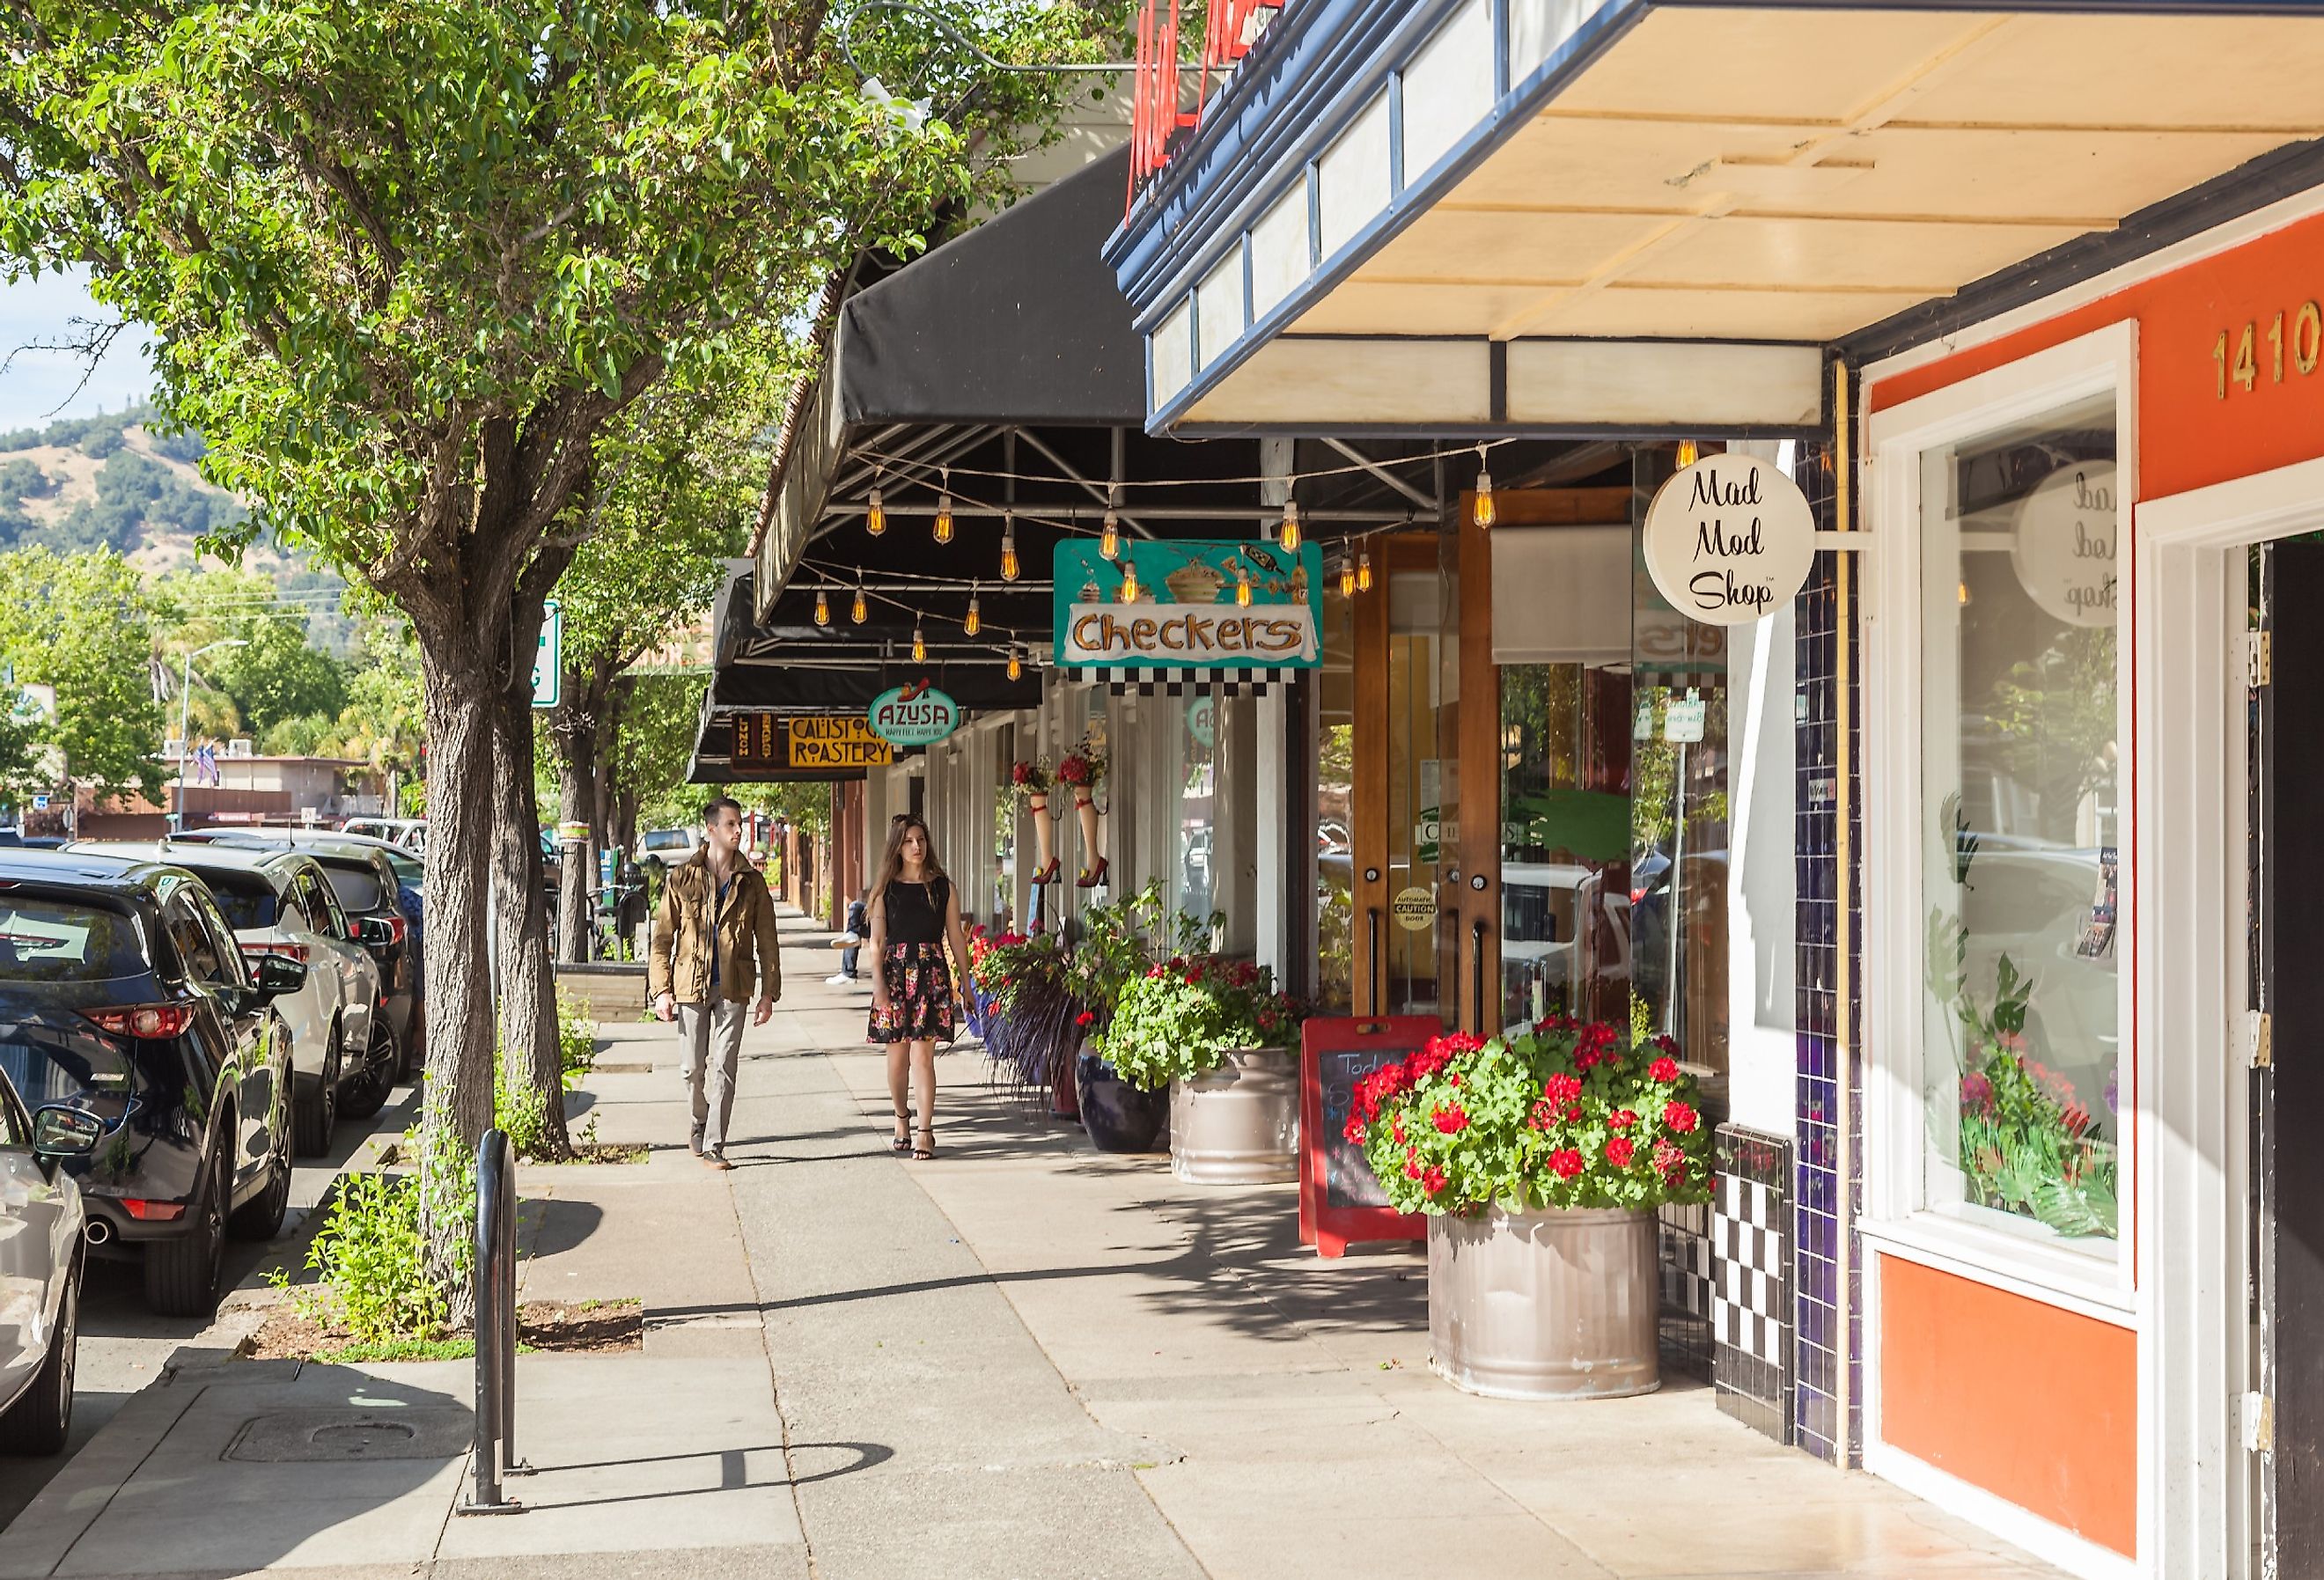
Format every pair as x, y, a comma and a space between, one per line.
39, 385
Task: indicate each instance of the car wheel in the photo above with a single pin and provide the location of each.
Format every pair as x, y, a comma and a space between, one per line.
314, 1112
40, 1421
181, 1274
261, 1217
373, 1079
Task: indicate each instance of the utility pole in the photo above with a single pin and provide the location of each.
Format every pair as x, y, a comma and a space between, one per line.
185, 722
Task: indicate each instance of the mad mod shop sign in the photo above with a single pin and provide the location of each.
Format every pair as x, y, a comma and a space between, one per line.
2063, 549
1189, 605
1728, 539
913, 716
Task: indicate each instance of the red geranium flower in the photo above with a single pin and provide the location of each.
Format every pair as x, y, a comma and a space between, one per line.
1545, 1117
1451, 1121
1396, 1129
1431, 1179
1411, 1164
1670, 1160
1622, 1119
1565, 1164
1679, 1117
1085, 1018
1662, 1069
1562, 1089
1354, 1129
1584, 1059
1619, 1151
1573, 1111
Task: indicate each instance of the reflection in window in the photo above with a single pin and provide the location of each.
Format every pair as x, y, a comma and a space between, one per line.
1565, 817
1335, 816
2020, 828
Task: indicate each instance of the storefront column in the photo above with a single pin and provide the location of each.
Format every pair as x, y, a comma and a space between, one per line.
1273, 835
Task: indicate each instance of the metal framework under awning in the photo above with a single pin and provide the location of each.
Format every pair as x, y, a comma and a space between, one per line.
1648, 217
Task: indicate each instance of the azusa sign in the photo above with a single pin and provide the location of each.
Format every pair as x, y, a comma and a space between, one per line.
918, 715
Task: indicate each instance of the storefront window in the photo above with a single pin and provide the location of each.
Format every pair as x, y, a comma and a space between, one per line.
1420, 788
1191, 724
1335, 816
2020, 828
1565, 832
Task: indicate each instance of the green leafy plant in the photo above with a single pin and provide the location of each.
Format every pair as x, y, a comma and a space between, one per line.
576, 1041
370, 1263
1569, 1116
2028, 1142
1120, 943
1180, 1019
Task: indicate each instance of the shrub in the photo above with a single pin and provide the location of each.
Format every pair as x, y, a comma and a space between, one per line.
1570, 1117
1180, 1019
370, 1260
576, 1041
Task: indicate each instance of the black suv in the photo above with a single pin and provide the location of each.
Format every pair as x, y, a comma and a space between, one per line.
123, 995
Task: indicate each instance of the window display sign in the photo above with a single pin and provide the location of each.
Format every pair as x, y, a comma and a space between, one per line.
918, 715
1729, 540
1340, 1201
2063, 549
1184, 603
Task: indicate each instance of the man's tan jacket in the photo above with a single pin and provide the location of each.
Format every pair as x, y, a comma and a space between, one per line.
691, 916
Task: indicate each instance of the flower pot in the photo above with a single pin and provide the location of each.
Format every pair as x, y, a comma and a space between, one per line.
1561, 1304
1118, 1116
1238, 1124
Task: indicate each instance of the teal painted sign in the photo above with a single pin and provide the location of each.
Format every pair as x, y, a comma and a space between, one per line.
1186, 611
918, 715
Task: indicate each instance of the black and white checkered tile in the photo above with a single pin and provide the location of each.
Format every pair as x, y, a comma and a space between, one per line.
1157, 680
1748, 1306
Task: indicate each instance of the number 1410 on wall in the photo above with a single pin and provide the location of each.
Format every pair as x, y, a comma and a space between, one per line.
2243, 368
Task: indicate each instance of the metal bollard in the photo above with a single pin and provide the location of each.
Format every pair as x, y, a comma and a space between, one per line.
495, 1406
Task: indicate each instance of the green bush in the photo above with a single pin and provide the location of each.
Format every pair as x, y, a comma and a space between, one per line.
372, 1265
577, 1039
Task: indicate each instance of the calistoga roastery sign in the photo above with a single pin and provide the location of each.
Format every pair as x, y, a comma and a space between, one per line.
1181, 604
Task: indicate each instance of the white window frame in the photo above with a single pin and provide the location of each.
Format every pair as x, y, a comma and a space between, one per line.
1895, 1218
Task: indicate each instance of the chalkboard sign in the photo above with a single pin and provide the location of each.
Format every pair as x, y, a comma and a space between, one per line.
1340, 1200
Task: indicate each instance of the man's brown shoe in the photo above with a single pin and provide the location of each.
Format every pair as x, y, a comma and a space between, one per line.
715, 1161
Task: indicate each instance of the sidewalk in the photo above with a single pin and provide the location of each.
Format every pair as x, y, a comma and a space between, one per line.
1021, 1360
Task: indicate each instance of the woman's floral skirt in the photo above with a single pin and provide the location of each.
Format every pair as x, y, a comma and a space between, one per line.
919, 996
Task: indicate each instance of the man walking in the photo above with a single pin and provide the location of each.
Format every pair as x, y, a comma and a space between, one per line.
714, 942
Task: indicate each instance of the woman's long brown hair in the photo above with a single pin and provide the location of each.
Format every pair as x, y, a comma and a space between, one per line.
892, 864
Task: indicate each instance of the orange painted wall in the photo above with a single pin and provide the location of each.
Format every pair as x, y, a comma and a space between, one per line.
2189, 436
2036, 1404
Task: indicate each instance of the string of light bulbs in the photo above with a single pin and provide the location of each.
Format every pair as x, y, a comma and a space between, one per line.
882, 460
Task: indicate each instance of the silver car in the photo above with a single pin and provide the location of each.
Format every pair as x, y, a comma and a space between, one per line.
40, 1269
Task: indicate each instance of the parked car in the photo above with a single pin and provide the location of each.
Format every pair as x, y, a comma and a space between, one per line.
373, 880
344, 1059
409, 833
124, 997
41, 1259
668, 847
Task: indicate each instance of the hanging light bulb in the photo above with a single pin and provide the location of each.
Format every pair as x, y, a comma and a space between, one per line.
1689, 452
1009, 567
1242, 584
919, 642
1486, 512
1108, 540
1015, 666
1130, 581
875, 515
1364, 572
863, 610
944, 509
1289, 537
822, 607
1347, 576
975, 621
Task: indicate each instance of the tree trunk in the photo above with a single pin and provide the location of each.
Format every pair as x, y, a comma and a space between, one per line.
461, 695
576, 734
530, 1056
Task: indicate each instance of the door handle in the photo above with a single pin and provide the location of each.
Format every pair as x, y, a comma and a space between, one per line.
1373, 915
1477, 975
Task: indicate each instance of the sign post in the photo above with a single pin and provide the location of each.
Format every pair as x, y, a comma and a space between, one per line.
549, 658
1340, 1201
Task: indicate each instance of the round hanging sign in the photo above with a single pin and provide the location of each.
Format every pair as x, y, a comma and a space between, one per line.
2063, 550
1414, 908
1728, 539
918, 715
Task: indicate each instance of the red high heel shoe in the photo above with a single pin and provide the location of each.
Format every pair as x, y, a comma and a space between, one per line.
1092, 877
1046, 875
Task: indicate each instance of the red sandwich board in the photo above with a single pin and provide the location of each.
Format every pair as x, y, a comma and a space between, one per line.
1340, 1201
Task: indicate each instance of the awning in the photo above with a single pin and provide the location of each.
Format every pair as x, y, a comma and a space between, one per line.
1652, 217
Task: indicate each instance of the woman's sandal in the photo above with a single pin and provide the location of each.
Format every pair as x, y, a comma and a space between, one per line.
901, 1144
925, 1153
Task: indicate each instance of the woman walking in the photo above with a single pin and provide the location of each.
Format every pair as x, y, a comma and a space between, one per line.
914, 913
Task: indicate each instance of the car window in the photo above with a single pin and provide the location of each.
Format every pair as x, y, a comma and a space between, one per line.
197, 954
233, 971
324, 903
355, 883
15, 1129
666, 839
45, 939
248, 899
406, 869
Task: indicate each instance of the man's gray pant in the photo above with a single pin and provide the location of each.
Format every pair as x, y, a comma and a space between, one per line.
712, 1036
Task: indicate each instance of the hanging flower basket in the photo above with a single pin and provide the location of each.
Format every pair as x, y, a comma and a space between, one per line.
1030, 781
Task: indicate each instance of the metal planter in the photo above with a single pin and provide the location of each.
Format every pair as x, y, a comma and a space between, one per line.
1238, 1124
1560, 1304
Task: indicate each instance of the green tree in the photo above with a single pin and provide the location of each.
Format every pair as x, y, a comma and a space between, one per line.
405, 264
83, 624
279, 678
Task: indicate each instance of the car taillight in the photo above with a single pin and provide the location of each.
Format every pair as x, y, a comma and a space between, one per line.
397, 929
1638, 896
288, 951
144, 1021
153, 1212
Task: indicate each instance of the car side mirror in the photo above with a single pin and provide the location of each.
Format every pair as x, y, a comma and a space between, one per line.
278, 974
60, 1131
372, 932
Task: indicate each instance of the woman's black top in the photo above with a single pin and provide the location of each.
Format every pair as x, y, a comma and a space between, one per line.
916, 911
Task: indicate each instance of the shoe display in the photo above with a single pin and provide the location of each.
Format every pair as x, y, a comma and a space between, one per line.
1092, 877
1046, 875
